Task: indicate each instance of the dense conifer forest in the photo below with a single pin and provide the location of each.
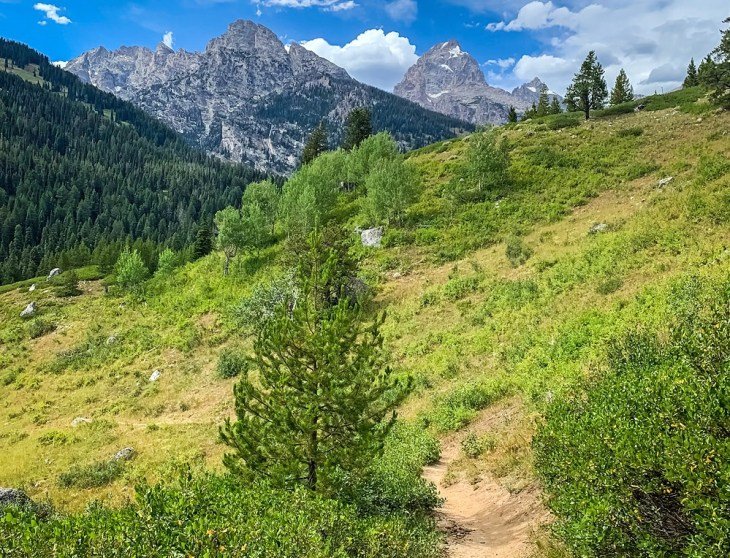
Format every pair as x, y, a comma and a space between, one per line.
81, 169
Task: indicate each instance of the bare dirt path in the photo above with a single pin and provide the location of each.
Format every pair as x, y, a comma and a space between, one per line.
486, 520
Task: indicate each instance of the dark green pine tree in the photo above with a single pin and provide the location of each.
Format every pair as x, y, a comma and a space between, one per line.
555, 107
358, 126
512, 114
322, 399
622, 91
530, 112
717, 75
691, 80
588, 90
316, 144
543, 104
203, 243
706, 70
67, 284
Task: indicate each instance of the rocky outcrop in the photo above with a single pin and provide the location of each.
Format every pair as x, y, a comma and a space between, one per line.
247, 97
449, 80
529, 92
29, 311
14, 497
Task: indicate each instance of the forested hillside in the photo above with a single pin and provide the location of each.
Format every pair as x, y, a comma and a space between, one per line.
81, 170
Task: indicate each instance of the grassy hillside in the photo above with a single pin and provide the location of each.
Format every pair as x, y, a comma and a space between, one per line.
512, 299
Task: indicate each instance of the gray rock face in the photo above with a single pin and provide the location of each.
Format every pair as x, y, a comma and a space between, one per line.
529, 93
14, 497
449, 80
53, 273
245, 98
29, 311
124, 454
372, 237
155, 376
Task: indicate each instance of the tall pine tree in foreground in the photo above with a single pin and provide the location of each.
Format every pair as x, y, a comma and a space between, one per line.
358, 127
543, 104
316, 144
588, 90
691, 80
555, 107
322, 397
622, 91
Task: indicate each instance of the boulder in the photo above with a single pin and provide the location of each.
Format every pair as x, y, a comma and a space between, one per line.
14, 497
78, 421
124, 454
32, 288
53, 273
598, 228
29, 311
155, 376
372, 237
664, 181
111, 340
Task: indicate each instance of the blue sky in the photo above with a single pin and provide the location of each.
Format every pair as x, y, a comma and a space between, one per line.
376, 41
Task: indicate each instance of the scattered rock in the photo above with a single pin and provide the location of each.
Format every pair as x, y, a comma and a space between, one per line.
664, 181
639, 108
29, 311
372, 237
14, 497
111, 340
699, 120
78, 421
155, 376
55, 271
32, 288
124, 454
598, 228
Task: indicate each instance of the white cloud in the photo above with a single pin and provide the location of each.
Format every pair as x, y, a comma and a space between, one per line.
652, 39
503, 63
374, 57
167, 38
329, 5
402, 10
52, 13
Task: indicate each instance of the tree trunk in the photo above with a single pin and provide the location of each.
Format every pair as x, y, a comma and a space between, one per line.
587, 106
312, 473
226, 264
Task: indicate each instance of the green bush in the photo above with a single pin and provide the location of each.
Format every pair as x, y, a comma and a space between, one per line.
217, 516
517, 251
93, 475
39, 327
460, 406
638, 464
630, 132
561, 121
231, 363
67, 284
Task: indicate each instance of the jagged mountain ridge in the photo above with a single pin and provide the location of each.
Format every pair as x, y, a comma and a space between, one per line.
448, 79
236, 98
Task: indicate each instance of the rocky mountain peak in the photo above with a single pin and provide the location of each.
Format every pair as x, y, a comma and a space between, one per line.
306, 62
246, 36
163, 49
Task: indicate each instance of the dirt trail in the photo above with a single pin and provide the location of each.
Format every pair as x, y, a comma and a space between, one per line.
486, 520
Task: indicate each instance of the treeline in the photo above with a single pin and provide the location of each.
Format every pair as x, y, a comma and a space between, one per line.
80, 170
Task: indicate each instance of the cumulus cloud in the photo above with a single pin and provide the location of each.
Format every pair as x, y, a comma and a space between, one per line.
52, 14
374, 57
652, 40
402, 10
168, 39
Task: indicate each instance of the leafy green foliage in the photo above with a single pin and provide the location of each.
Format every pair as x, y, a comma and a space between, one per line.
67, 284
130, 271
716, 75
588, 90
219, 516
391, 187
517, 251
203, 242
167, 262
639, 461
484, 172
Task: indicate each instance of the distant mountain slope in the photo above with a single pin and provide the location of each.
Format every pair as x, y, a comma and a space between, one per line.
249, 98
80, 168
449, 80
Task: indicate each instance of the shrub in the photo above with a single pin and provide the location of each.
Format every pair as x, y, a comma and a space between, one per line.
67, 284
130, 271
517, 251
231, 363
564, 121
93, 475
39, 327
638, 463
630, 132
220, 516
167, 262
460, 406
